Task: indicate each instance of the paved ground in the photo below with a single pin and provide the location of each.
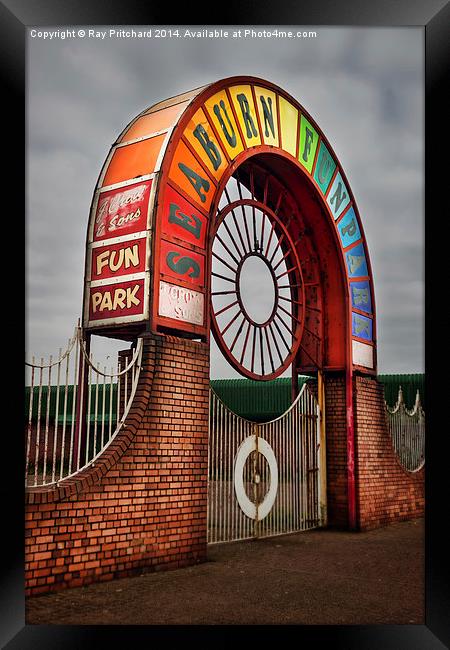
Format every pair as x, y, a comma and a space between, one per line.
310, 578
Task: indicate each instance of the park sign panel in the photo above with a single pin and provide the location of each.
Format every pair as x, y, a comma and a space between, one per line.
156, 214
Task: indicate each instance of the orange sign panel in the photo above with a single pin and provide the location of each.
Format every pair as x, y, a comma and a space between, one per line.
153, 122
133, 160
191, 177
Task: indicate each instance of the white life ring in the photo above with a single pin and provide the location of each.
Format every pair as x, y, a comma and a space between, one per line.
245, 449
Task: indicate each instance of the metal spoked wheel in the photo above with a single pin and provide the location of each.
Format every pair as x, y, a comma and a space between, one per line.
257, 293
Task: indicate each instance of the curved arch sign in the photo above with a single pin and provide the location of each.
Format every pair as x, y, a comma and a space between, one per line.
156, 212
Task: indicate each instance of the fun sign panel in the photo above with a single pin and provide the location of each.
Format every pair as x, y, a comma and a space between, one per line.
160, 186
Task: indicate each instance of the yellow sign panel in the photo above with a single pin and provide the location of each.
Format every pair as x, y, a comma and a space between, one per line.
201, 137
289, 126
266, 101
222, 117
245, 111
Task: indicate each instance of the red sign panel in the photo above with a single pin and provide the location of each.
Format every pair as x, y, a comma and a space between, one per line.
182, 263
123, 258
122, 211
113, 301
181, 219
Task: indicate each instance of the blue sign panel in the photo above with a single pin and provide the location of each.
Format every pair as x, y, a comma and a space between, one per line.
356, 262
338, 197
361, 326
360, 295
349, 229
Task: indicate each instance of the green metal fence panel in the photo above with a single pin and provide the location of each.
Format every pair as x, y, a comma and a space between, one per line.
66, 403
410, 383
254, 400
259, 401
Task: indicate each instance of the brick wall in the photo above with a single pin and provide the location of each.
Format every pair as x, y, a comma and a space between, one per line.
385, 491
143, 505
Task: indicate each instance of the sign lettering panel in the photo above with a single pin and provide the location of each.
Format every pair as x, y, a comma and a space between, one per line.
182, 263
190, 176
112, 260
182, 220
181, 304
116, 301
122, 211
219, 110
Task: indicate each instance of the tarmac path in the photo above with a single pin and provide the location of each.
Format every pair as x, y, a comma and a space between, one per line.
318, 577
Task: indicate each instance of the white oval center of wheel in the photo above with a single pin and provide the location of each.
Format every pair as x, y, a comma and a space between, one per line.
258, 304
252, 510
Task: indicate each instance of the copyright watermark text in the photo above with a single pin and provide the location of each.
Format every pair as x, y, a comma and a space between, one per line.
171, 33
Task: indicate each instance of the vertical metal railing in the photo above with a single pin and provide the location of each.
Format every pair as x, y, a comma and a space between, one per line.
294, 439
407, 429
74, 409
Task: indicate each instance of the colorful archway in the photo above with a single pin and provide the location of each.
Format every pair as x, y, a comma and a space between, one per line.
156, 217
155, 214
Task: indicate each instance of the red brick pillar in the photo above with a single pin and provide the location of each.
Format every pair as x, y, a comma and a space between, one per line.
385, 492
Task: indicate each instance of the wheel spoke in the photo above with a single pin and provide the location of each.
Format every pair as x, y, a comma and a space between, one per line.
243, 214
225, 263
253, 347
276, 345
227, 228
286, 326
269, 349
281, 335
261, 349
282, 260
293, 268
230, 323
217, 313
223, 277
245, 343
289, 314
238, 333
236, 226
276, 248
294, 302
222, 293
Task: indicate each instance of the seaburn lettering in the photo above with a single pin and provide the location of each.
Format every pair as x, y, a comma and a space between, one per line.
231, 137
208, 145
198, 183
245, 110
268, 115
190, 223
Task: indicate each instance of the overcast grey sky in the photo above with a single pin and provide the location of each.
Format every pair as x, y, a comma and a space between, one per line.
364, 87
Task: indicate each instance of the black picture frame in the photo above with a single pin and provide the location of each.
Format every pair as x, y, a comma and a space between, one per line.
15, 17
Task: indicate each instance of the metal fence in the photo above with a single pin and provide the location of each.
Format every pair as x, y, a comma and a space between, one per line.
74, 409
264, 478
407, 429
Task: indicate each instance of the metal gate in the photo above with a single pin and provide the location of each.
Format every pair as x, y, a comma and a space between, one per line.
265, 478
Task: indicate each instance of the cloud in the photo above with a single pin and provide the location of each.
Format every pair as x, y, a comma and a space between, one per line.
364, 87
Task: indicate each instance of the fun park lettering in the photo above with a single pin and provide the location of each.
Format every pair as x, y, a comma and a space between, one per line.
120, 298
